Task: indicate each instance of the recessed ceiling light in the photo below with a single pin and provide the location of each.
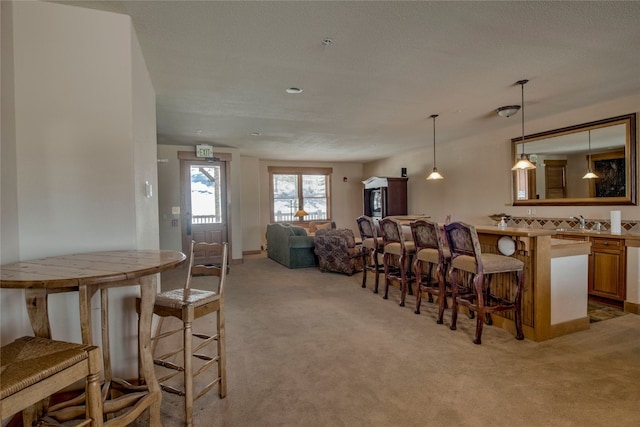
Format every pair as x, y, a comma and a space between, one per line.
294, 90
255, 134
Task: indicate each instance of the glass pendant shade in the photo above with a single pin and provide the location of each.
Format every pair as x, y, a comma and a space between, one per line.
300, 213
523, 162
434, 173
589, 174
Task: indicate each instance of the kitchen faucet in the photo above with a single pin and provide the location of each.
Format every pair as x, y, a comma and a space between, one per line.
581, 220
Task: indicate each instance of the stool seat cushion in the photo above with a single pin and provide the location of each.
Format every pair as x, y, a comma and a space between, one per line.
30, 360
431, 255
492, 263
396, 248
374, 243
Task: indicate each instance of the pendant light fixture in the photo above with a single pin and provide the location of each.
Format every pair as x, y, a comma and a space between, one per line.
507, 110
589, 174
434, 173
523, 162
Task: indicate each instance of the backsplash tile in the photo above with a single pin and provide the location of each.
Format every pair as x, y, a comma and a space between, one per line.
553, 223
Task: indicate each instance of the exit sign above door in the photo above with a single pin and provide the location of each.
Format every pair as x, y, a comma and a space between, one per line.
204, 151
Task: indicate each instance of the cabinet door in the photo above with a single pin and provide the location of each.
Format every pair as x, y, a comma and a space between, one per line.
606, 273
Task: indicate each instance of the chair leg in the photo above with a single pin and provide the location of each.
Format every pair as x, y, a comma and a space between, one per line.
222, 362
518, 310
430, 276
385, 260
486, 293
418, 275
365, 265
407, 272
377, 264
472, 314
94, 408
454, 297
188, 373
403, 279
442, 295
478, 285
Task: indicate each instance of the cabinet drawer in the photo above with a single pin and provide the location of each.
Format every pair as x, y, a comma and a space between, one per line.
572, 237
601, 242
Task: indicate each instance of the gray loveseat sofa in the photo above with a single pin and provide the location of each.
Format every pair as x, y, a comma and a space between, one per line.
290, 246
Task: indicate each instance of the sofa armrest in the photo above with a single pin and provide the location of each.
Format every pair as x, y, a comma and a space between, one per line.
301, 242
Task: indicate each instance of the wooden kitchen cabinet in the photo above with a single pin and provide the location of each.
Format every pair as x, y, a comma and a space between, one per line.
607, 268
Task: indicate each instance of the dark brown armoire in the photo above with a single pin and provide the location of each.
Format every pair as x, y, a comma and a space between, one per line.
384, 196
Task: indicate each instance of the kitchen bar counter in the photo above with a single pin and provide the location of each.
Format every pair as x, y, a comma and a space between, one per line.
628, 248
631, 239
545, 257
535, 247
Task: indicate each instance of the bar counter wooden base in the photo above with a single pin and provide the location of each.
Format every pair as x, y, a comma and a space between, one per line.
534, 247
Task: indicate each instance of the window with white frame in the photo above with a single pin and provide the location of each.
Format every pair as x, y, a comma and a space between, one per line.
296, 189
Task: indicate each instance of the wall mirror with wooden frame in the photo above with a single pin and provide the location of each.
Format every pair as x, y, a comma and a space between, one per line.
562, 157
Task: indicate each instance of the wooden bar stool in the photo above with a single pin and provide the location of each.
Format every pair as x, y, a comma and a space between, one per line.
187, 305
432, 256
35, 368
395, 245
372, 247
466, 257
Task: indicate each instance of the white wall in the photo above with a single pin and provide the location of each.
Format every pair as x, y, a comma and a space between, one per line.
250, 199
477, 170
9, 237
84, 141
73, 91
145, 150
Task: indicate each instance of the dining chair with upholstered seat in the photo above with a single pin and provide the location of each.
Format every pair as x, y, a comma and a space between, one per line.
432, 258
35, 368
475, 293
189, 304
372, 248
398, 247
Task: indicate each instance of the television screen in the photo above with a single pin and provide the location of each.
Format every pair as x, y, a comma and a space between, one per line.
375, 201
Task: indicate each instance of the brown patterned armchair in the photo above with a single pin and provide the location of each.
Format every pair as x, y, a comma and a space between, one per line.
336, 250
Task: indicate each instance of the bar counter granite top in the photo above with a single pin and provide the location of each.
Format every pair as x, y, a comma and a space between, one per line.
633, 238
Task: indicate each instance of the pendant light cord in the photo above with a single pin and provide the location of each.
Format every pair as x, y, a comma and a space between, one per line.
522, 82
434, 139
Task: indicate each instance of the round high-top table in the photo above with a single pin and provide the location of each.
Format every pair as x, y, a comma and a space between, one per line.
86, 274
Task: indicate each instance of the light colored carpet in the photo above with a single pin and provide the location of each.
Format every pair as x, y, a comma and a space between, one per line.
307, 348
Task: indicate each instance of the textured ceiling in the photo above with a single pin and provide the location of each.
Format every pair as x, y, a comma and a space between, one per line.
220, 69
